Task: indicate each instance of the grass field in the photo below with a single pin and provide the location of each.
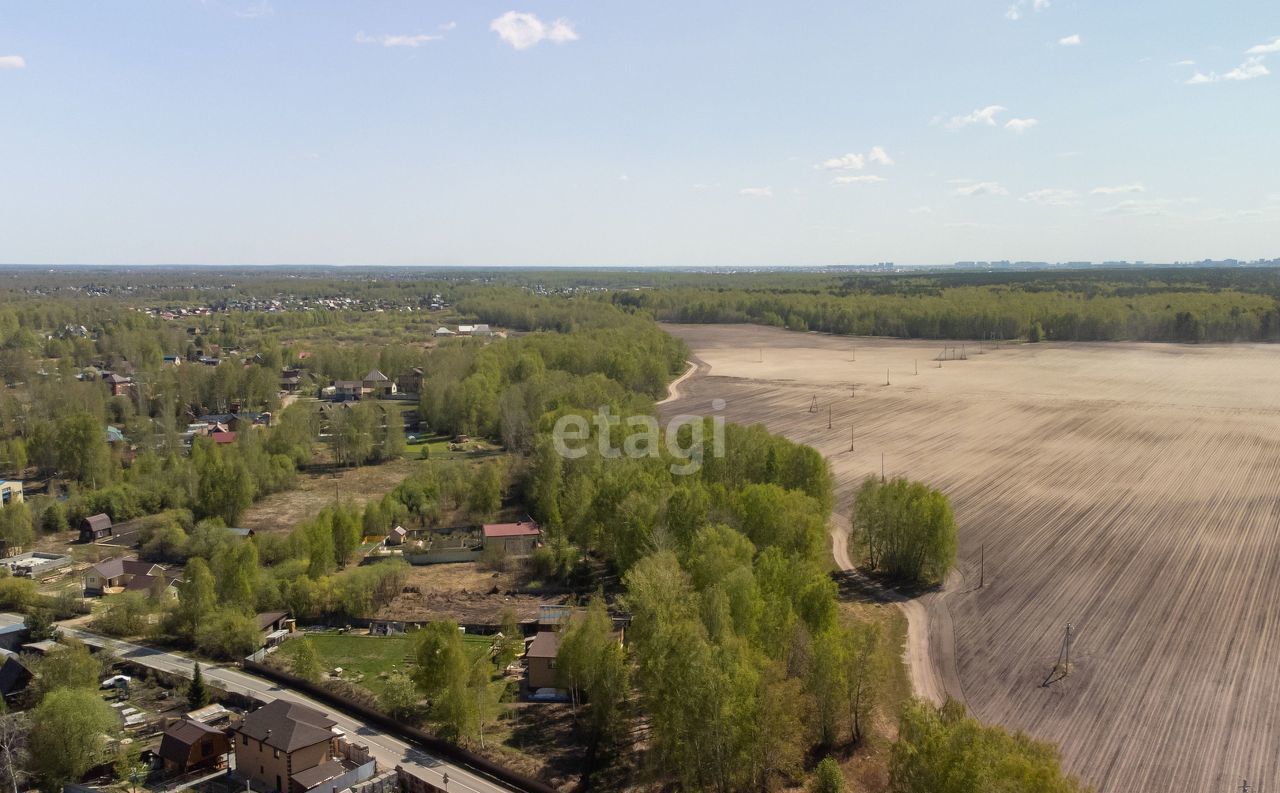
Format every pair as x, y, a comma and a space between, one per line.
1129, 489
365, 659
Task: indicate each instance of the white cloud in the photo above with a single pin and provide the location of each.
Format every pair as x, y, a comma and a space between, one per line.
624, 178
1157, 206
1185, 63
256, 11
1265, 49
522, 30
1052, 197
757, 192
12, 62
1021, 125
1135, 187
1248, 70
923, 209
854, 161
863, 179
847, 162
1070, 41
980, 188
1252, 68
448, 26
1016, 11
983, 115
397, 41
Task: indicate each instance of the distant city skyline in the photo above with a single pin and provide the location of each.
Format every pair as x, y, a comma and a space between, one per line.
665, 134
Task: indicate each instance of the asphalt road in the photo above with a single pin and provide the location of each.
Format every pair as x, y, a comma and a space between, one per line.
388, 750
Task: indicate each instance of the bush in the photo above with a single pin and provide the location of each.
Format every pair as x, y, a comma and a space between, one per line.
228, 634
125, 616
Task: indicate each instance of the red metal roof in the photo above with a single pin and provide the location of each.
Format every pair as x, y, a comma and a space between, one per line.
518, 529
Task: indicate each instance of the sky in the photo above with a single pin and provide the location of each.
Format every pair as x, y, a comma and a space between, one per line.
423, 132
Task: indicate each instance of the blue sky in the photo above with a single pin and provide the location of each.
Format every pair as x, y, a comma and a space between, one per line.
665, 133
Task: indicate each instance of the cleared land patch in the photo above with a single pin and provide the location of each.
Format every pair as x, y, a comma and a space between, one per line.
1132, 490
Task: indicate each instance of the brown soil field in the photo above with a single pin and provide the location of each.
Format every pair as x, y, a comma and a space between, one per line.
1132, 490
280, 512
463, 592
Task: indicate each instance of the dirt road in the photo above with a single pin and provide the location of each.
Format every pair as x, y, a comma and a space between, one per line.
1132, 490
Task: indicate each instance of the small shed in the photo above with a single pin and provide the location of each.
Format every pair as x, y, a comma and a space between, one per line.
515, 539
189, 745
397, 536
541, 658
95, 527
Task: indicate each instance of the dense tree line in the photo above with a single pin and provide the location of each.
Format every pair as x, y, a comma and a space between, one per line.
1117, 306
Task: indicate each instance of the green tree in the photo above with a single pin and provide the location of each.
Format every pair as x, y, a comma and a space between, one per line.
228, 633
905, 529
591, 662
399, 697
54, 518
943, 750
82, 453
306, 662
485, 496
70, 666
197, 692
126, 615
68, 733
827, 777
197, 598
15, 526
40, 624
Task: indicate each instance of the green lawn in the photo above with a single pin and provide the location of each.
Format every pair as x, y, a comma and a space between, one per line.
364, 659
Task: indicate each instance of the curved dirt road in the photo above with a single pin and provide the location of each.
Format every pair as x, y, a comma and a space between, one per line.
927, 677
930, 649
673, 390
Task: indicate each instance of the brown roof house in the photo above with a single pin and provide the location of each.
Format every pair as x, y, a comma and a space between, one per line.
515, 539
95, 527
275, 626
541, 659
189, 745
379, 384
397, 536
122, 574
290, 748
410, 382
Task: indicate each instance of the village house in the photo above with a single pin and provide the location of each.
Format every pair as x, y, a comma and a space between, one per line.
410, 382
465, 330
290, 748
481, 330
15, 676
378, 384
189, 745
119, 385
123, 574
95, 527
541, 660
274, 627
290, 380
515, 539
397, 536
443, 333
348, 389
10, 492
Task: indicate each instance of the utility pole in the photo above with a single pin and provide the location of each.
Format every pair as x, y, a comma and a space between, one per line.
917, 365
851, 431
1245, 787
813, 404
886, 376
982, 565
882, 468
828, 417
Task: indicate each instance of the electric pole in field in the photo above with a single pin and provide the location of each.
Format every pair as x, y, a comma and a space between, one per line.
982, 565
